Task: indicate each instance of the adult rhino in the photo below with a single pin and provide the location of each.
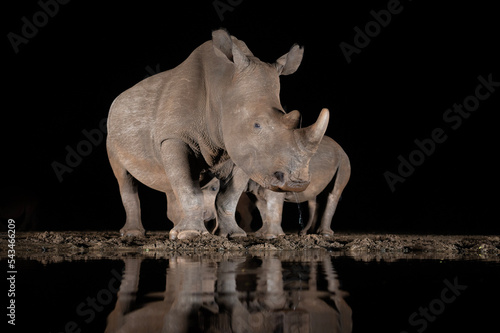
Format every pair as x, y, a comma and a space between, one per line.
219, 111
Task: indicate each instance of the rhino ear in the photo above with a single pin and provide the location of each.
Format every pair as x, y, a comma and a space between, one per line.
224, 47
240, 59
288, 63
242, 46
222, 43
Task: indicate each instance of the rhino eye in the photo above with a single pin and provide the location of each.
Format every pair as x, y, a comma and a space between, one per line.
256, 125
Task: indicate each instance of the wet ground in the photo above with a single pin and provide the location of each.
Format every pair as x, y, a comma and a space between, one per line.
99, 282
91, 244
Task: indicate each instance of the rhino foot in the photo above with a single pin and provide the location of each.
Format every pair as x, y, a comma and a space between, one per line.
270, 231
187, 232
229, 228
132, 232
303, 232
325, 232
235, 232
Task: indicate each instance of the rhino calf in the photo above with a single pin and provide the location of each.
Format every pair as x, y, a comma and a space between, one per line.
218, 111
329, 161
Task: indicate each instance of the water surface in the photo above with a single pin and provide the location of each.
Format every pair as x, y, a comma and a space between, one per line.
277, 291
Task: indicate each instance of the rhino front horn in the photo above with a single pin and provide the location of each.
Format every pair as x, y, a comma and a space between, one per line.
310, 137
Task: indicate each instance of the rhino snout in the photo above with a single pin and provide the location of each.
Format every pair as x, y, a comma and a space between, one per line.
289, 184
208, 214
295, 185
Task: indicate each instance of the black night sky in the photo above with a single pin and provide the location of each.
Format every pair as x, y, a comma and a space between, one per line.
427, 73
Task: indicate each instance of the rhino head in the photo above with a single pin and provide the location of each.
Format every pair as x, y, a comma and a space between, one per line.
258, 135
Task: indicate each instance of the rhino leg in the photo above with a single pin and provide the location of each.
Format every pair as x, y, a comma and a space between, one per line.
173, 210
343, 174
183, 177
228, 298
313, 216
270, 206
326, 220
130, 199
226, 202
126, 295
245, 207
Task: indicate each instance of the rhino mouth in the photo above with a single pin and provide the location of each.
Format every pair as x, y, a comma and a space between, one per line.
294, 186
279, 183
208, 215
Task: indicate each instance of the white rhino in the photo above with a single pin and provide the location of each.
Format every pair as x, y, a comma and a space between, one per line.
218, 111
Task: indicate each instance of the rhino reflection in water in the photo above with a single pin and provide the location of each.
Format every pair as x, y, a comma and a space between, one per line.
269, 293
218, 111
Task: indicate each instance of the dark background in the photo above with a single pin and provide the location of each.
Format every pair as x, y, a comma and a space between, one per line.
396, 90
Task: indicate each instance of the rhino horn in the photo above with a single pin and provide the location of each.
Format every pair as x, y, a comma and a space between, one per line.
291, 119
309, 138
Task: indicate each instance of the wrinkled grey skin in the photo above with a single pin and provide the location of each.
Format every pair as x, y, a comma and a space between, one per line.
330, 159
218, 111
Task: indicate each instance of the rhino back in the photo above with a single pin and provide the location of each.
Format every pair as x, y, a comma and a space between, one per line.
168, 105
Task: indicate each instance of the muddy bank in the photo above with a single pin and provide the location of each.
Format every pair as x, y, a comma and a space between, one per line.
93, 244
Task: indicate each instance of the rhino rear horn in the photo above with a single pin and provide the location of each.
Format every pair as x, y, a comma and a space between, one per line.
309, 138
291, 119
